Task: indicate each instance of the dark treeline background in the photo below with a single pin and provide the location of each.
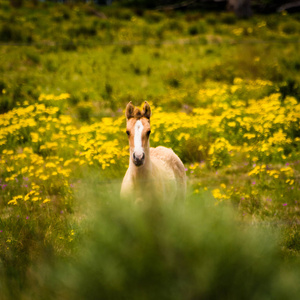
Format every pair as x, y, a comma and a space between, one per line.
243, 8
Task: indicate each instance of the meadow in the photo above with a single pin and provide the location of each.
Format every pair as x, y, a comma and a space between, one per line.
225, 96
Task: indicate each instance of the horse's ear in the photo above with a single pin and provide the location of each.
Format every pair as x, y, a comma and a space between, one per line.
129, 112
147, 110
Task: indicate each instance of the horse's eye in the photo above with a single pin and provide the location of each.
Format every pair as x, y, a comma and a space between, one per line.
148, 133
128, 133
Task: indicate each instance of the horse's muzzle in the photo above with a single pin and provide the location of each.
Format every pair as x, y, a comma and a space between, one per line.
138, 159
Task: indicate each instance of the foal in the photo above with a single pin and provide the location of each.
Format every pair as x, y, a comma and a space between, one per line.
153, 173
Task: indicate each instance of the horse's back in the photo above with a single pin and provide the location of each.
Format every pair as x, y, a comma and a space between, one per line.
169, 160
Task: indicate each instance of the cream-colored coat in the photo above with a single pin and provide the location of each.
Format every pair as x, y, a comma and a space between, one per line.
161, 177
153, 173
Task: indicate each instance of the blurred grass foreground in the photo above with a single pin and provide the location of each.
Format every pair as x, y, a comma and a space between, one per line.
160, 251
225, 95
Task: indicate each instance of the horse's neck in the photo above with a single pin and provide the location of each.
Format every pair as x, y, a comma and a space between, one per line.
143, 180
142, 173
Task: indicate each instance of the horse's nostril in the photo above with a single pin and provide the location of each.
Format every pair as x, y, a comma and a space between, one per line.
138, 158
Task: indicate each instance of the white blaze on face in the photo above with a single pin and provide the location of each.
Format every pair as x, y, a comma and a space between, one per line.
138, 129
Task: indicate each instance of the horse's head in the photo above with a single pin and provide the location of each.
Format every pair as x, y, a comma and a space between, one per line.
138, 131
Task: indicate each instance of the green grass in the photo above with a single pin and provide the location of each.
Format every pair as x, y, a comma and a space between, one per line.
179, 252
83, 242
160, 250
67, 56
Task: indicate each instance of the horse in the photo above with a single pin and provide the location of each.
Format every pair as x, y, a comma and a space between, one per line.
153, 173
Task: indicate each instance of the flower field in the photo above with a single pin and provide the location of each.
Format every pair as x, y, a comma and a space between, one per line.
44, 151
225, 102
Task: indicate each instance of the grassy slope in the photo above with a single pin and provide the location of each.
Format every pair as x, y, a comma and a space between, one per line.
99, 63
222, 48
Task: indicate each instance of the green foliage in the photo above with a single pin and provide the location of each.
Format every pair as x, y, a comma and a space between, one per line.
292, 237
291, 27
160, 251
225, 97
